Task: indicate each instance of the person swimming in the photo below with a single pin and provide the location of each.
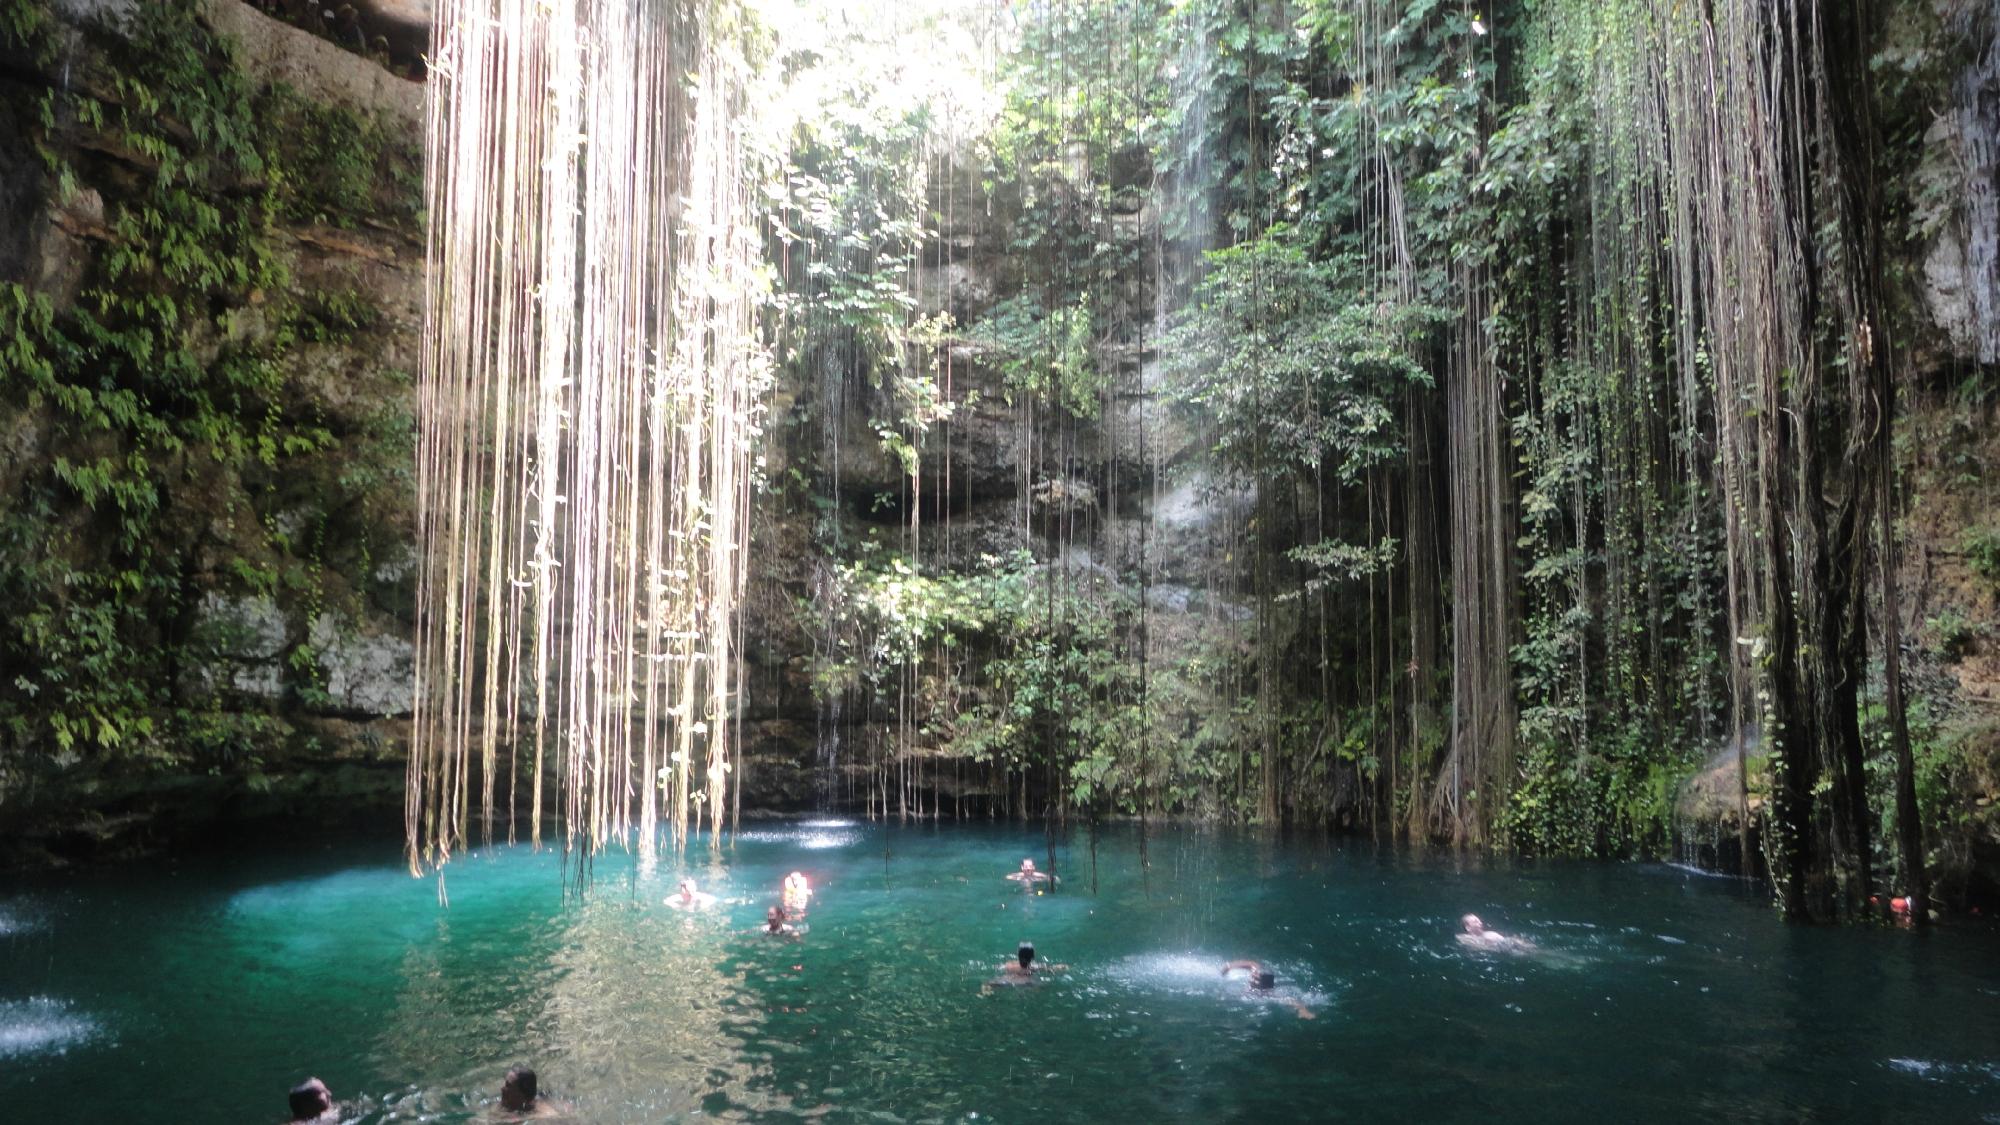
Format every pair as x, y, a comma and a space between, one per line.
797, 894
1027, 876
311, 1101
776, 926
1477, 936
1263, 985
690, 897
521, 1097
518, 1090
1022, 970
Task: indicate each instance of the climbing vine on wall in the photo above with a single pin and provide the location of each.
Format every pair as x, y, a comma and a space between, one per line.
162, 392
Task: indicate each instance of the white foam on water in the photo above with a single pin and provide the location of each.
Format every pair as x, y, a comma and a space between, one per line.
1192, 973
813, 835
1933, 1070
41, 1025
19, 917
1701, 872
1176, 969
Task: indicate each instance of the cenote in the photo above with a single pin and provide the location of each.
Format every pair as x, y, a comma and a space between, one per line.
1424, 459
201, 990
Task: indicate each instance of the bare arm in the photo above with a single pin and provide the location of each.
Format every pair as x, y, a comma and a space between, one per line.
1248, 966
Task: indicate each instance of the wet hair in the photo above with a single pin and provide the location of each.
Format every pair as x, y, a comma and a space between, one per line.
520, 1082
1262, 979
309, 1099
1026, 953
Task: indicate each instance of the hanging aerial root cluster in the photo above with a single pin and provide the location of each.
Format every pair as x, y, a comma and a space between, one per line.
589, 395
1732, 302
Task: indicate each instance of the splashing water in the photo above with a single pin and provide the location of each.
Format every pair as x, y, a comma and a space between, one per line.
41, 1026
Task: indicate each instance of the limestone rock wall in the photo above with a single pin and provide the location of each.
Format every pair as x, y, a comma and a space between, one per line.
269, 662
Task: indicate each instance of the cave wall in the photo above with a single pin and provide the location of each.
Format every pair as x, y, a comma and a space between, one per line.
264, 638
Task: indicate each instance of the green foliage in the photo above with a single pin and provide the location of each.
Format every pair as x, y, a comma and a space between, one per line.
1294, 365
329, 164
1953, 758
1045, 355
26, 25
1082, 85
171, 417
1407, 194
1014, 675
1953, 632
1982, 552
1613, 798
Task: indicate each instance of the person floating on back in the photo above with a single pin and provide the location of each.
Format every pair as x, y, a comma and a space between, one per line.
1022, 970
1027, 876
690, 897
1477, 936
797, 894
1263, 985
311, 1101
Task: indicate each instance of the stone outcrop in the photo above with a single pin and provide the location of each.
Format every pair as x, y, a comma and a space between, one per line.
1958, 193
271, 51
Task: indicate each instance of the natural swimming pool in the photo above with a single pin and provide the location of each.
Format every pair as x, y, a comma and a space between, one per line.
200, 991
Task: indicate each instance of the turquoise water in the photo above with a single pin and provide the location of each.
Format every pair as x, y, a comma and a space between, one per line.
201, 991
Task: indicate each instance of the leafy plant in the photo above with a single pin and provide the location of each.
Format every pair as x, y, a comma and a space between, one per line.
1955, 633
1982, 552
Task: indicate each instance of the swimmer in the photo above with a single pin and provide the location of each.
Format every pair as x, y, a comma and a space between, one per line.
690, 897
1027, 876
311, 1101
797, 894
1264, 986
776, 926
520, 1097
1021, 970
1477, 936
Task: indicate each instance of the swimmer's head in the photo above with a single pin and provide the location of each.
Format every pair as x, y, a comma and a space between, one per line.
518, 1091
1472, 924
1025, 954
687, 888
1027, 865
1262, 980
309, 1099
774, 918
